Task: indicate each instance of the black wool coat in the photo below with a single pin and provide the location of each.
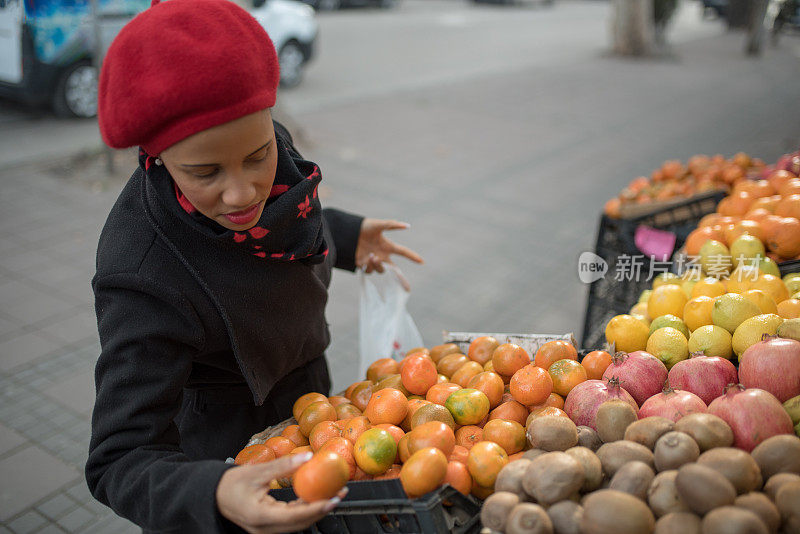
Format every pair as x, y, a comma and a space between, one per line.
182, 380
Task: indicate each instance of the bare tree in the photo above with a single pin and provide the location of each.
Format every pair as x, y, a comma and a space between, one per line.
755, 27
632, 27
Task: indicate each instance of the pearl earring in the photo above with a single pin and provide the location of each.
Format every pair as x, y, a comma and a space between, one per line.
159, 162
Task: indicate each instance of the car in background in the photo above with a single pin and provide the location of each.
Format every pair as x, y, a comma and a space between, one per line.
293, 28
719, 8
47, 47
331, 5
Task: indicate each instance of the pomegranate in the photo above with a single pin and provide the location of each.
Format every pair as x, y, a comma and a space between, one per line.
583, 401
753, 414
640, 373
705, 376
672, 404
772, 364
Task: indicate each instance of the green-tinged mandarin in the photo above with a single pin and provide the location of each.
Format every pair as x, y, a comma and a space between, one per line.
671, 321
467, 406
375, 451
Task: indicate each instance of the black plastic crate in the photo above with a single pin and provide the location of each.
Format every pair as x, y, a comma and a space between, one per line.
608, 296
792, 266
375, 506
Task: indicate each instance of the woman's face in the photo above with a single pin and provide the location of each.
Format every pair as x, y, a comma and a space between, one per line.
227, 171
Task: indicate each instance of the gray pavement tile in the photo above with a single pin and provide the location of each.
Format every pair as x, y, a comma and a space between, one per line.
4, 530
40, 306
28, 259
24, 349
75, 520
75, 327
9, 439
80, 492
52, 529
36, 474
57, 507
112, 523
28, 523
75, 391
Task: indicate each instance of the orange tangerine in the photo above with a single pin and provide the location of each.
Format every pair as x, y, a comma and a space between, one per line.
531, 385
387, 406
510, 435
486, 459
566, 374
375, 451
321, 477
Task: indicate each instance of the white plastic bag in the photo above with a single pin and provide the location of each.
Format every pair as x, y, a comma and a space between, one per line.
385, 328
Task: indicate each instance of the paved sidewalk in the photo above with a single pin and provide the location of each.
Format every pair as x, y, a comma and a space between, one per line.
502, 179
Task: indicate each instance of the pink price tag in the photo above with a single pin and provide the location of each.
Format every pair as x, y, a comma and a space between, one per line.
655, 243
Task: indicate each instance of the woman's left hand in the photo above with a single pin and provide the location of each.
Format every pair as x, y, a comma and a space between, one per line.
374, 248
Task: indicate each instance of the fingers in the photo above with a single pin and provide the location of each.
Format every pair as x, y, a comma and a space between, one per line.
392, 225
299, 515
286, 465
405, 252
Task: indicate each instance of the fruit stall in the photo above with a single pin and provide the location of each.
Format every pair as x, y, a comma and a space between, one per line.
679, 411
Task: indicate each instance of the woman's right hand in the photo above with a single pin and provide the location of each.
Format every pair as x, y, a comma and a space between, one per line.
242, 497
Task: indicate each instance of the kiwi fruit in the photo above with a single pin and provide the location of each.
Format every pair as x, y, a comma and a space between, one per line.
679, 523
510, 478
592, 468
552, 433
708, 430
496, 509
765, 509
736, 465
776, 481
553, 477
674, 449
613, 417
615, 512
733, 520
528, 518
566, 517
588, 437
778, 454
647, 431
703, 489
663, 495
633, 478
617, 453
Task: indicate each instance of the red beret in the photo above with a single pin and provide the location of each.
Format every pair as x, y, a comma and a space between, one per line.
181, 67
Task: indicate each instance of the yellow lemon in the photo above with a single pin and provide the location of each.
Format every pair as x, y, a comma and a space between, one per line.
639, 309
731, 310
697, 312
767, 265
790, 276
643, 318
715, 259
793, 284
666, 279
687, 286
789, 309
671, 321
627, 332
746, 248
668, 345
772, 286
764, 302
711, 340
751, 331
645, 295
708, 287
742, 278
667, 300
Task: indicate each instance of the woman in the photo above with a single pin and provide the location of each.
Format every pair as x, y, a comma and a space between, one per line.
212, 275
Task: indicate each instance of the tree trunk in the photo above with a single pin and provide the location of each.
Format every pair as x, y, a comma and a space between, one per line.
632, 27
755, 28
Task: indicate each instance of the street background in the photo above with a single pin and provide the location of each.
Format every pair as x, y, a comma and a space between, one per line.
498, 132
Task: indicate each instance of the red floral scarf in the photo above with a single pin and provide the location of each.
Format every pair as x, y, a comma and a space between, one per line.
290, 226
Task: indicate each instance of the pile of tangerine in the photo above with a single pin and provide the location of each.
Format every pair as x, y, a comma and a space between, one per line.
437, 416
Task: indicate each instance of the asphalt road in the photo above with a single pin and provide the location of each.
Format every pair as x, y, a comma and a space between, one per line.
497, 132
